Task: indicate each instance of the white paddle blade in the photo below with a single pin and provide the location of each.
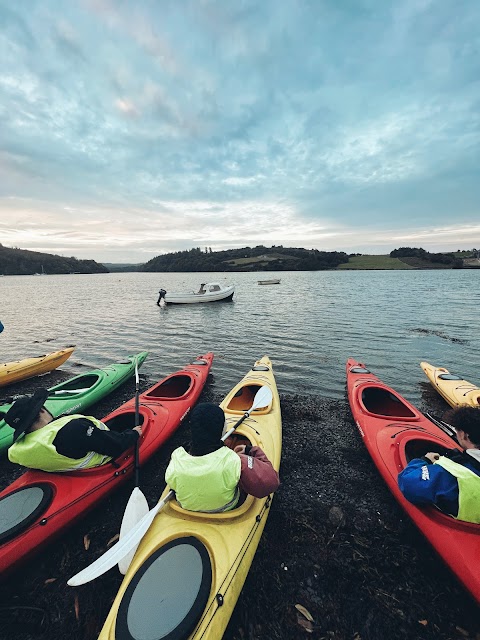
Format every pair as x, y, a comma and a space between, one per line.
263, 397
136, 509
111, 557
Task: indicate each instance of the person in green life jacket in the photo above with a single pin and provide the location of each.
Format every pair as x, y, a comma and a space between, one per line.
451, 480
67, 443
211, 476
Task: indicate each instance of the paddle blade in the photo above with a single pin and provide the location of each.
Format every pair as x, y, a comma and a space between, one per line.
111, 557
136, 509
263, 397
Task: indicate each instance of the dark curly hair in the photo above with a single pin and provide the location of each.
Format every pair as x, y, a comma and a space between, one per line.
467, 419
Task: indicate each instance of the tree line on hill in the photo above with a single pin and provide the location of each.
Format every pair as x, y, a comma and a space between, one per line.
20, 262
446, 259
14, 261
259, 258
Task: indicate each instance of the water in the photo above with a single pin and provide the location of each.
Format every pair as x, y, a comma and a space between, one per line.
308, 325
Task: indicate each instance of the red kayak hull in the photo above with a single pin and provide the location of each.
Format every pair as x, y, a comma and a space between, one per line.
162, 409
394, 432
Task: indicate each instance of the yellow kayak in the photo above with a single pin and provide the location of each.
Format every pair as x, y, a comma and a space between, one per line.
189, 569
452, 388
15, 371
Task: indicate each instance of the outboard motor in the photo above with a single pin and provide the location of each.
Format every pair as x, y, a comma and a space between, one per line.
161, 295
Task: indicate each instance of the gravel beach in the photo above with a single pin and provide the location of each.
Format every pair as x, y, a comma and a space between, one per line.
338, 558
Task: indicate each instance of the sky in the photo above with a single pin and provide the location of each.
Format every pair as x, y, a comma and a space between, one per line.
134, 128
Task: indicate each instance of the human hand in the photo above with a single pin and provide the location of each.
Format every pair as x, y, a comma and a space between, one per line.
138, 429
240, 448
432, 456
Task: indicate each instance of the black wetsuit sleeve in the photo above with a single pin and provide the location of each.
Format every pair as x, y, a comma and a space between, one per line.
80, 436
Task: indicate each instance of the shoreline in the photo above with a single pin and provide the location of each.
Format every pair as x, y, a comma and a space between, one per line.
335, 542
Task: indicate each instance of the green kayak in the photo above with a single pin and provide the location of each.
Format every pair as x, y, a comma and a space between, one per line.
78, 393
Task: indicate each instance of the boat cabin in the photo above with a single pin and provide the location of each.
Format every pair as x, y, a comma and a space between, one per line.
209, 287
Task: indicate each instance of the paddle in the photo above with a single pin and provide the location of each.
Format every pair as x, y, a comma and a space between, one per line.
71, 390
137, 505
132, 539
444, 426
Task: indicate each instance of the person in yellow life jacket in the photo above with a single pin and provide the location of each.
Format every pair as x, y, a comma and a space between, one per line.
67, 443
451, 480
210, 476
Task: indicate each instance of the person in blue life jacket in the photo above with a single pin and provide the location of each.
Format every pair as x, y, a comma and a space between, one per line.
211, 476
66, 443
449, 481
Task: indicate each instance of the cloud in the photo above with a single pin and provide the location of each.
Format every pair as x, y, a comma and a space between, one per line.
153, 126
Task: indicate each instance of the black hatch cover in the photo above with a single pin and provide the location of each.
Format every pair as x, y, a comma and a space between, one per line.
21, 508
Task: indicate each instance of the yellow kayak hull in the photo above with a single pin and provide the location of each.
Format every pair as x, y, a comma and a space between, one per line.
453, 389
230, 538
11, 372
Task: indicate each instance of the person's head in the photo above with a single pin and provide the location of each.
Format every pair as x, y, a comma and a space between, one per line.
466, 420
27, 413
206, 424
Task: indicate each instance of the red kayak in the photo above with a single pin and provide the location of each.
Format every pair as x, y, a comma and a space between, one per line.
395, 432
40, 505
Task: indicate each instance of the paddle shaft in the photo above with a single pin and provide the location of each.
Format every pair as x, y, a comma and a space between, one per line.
137, 422
444, 426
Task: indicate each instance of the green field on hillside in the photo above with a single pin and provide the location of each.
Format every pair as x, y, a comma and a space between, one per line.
373, 262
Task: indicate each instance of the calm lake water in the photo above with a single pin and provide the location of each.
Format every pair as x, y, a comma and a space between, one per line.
308, 325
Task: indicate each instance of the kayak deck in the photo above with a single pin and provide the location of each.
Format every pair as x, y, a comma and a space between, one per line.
395, 432
11, 372
205, 556
452, 388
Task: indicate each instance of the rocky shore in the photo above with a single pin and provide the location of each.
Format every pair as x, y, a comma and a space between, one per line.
338, 560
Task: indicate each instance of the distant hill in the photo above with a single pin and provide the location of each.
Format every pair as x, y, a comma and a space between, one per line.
122, 266
19, 262
258, 258
412, 258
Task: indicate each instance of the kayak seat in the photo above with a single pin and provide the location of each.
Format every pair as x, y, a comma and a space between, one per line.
123, 421
21, 508
155, 607
173, 387
382, 402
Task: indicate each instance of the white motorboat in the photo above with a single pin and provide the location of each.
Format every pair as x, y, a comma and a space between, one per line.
208, 292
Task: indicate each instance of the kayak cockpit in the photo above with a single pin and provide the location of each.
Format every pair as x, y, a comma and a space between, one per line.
418, 447
168, 594
78, 384
172, 387
124, 421
242, 400
383, 402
